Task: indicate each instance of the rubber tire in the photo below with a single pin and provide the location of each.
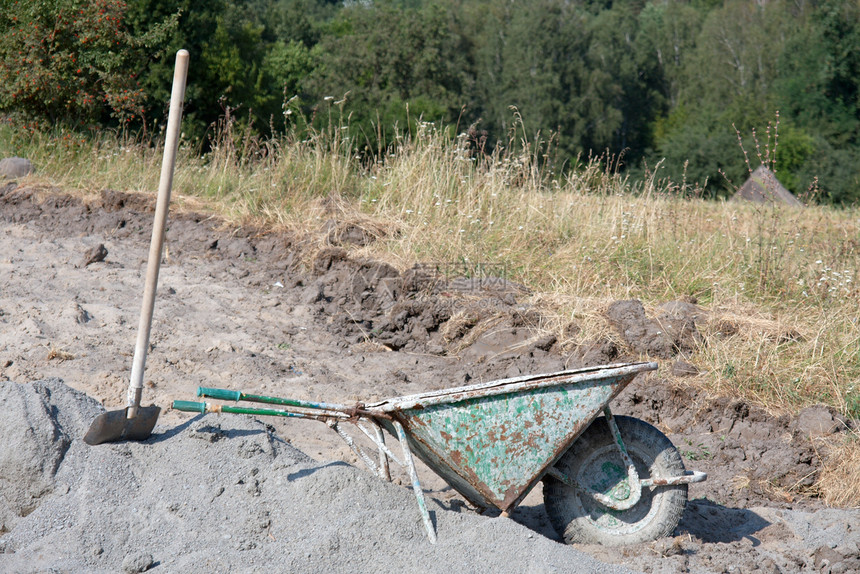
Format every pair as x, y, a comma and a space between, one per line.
579, 519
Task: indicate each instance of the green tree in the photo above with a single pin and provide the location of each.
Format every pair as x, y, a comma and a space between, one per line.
727, 83
821, 72
245, 54
537, 58
577, 71
819, 90
383, 58
668, 32
543, 73
73, 61
637, 95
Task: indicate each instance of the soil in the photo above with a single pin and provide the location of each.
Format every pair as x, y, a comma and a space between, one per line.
272, 313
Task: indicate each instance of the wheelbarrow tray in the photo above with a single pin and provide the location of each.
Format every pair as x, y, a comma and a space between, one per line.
493, 442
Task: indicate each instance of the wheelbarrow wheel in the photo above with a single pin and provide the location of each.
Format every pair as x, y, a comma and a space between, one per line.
595, 463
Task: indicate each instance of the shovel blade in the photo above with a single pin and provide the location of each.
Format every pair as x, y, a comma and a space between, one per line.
114, 426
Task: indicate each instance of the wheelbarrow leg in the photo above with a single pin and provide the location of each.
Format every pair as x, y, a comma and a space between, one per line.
416, 485
383, 458
351, 443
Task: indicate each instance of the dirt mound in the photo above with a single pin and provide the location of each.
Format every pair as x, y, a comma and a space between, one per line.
427, 308
673, 331
752, 457
714, 539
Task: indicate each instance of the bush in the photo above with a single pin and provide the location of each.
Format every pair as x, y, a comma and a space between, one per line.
71, 62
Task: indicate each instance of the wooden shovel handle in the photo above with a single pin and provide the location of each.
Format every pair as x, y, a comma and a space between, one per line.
171, 145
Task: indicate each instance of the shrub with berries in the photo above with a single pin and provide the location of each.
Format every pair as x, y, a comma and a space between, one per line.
72, 62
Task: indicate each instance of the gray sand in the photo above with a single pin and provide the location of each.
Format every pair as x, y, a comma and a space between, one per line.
223, 494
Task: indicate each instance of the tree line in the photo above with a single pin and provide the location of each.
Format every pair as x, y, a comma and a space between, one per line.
666, 85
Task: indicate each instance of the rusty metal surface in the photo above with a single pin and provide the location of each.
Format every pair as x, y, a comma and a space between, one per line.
493, 442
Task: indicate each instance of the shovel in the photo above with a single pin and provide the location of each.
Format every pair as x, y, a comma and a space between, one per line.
135, 422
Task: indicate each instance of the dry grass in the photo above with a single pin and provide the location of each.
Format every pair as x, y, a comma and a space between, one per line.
838, 482
777, 285
58, 354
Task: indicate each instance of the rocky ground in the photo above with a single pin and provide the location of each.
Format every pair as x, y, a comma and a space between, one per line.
267, 313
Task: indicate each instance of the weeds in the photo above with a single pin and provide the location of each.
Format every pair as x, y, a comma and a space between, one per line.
696, 452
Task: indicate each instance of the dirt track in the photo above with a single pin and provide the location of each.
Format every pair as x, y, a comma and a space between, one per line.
237, 309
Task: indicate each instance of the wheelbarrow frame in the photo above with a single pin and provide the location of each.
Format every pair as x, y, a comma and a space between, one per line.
492, 442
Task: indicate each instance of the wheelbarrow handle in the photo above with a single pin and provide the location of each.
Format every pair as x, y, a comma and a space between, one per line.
162, 203
196, 407
356, 410
189, 406
220, 394
230, 395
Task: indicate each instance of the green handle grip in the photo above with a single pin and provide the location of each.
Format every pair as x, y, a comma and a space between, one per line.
220, 394
189, 406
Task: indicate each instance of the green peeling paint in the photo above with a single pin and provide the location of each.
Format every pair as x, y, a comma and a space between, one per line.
501, 444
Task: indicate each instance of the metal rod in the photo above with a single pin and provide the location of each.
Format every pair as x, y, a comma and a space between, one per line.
689, 477
196, 407
416, 485
598, 497
385, 470
355, 448
633, 480
379, 440
632, 475
592, 376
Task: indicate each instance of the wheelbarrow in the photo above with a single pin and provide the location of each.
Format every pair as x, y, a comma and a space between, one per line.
610, 480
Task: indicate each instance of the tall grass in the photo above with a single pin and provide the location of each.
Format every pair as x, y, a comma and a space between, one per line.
778, 284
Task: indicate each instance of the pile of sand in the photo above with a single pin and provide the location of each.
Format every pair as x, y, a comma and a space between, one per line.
222, 494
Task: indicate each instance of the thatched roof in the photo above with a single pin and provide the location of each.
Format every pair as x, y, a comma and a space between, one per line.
763, 187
